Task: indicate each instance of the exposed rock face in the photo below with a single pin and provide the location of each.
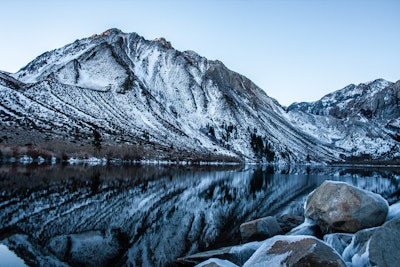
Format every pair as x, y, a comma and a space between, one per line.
295, 251
147, 93
260, 229
362, 120
377, 99
337, 206
375, 247
136, 91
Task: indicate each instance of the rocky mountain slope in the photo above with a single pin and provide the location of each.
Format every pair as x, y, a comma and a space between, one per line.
363, 120
179, 105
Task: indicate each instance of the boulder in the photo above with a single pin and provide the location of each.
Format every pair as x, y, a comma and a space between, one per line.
295, 251
260, 229
235, 254
214, 262
379, 246
340, 207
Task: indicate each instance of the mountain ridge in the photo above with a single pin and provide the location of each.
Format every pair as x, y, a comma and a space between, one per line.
146, 94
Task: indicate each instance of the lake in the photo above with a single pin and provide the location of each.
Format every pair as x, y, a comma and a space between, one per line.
149, 215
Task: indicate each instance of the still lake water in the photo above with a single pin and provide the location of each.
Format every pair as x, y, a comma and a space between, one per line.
77, 215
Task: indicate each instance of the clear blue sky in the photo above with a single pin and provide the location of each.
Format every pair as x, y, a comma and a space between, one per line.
294, 50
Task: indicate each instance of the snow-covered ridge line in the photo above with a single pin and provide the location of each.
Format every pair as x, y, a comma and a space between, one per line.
145, 93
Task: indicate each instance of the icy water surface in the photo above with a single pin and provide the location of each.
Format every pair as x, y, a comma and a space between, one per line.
151, 215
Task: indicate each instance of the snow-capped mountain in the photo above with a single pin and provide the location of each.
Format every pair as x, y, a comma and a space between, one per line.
363, 120
180, 105
145, 92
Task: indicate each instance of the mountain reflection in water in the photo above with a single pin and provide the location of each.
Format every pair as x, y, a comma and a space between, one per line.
151, 215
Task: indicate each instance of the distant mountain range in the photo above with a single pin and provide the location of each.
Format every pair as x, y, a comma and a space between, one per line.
154, 102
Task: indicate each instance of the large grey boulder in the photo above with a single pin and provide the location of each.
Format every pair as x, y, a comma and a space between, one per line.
379, 246
295, 251
340, 207
260, 229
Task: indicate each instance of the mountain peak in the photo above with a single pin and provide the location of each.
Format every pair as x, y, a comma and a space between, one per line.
163, 42
107, 32
380, 83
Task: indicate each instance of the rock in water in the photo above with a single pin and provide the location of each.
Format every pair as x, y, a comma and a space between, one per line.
378, 246
235, 254
295, 251
214, 262
260, 229
340, 207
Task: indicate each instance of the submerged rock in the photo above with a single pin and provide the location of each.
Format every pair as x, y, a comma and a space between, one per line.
295, 251
260, 229
340, 207
379, 246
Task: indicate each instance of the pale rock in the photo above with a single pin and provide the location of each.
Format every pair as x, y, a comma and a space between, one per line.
215, 262
340, 207
379, 246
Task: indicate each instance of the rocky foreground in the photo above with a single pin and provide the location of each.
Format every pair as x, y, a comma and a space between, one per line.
344, 226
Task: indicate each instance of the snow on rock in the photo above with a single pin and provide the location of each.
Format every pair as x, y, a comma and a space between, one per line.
338, 241
394, 211
235, 254
308, 227
377, 246
214, 262
294, 251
